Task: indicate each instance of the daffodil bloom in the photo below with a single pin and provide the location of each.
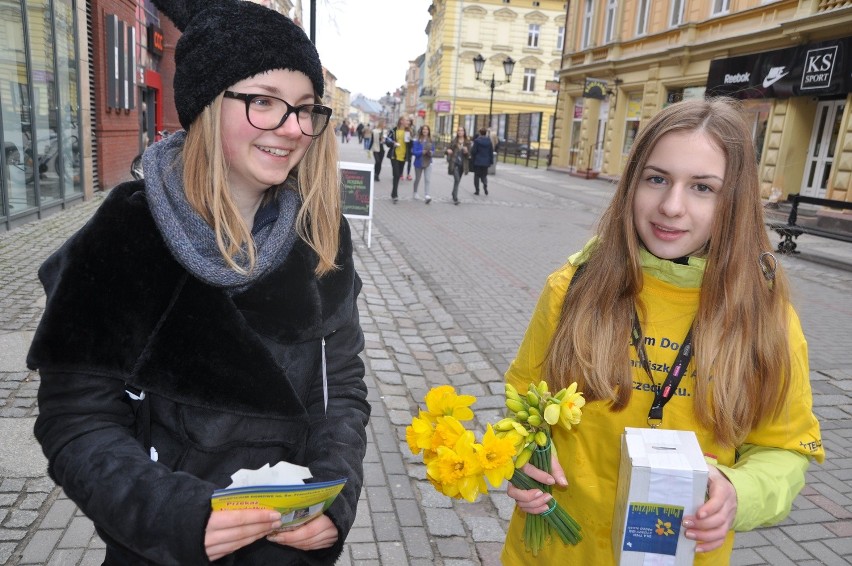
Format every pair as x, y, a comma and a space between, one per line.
447, 432
496, 456
457, 469
570, 407
419, 434
442, 401
517, 438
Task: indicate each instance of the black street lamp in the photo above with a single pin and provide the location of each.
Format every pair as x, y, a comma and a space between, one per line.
508, 67
391, 102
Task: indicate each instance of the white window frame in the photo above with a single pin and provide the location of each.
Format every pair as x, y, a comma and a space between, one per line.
560, 38
588, 10
677, 13
534, 32
721, 7
642, 13
529, 80
609, 28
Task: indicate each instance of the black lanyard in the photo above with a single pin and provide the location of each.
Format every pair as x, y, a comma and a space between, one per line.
667, 390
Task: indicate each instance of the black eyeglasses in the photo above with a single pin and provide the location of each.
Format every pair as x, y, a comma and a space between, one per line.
268, 113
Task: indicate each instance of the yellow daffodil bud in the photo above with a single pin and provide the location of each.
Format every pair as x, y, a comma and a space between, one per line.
504, 425
551, 413
534, 420
520, 429
542, 387
541, 438
524, 457
522, 416
534, 411
532, 398
511, 389
515, 405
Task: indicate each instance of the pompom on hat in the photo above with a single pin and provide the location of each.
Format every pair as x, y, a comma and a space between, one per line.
226, 41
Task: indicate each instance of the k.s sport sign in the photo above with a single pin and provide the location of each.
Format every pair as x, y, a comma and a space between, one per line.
817, 69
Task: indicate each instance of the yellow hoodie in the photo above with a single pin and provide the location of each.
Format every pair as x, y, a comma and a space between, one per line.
767, 471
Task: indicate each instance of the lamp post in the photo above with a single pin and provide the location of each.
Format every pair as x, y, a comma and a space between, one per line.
508, 67
391, 102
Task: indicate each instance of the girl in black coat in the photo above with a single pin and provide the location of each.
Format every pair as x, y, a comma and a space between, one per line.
206, 321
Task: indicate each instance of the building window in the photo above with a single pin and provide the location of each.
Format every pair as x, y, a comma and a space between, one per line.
631, 121
721, 6
560, 37
642, 17
587, 24
529, 80
687, 93
609, 30
677, 13
576, 128
532, 37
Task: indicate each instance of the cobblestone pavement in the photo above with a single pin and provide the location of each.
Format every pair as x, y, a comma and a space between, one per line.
447, 294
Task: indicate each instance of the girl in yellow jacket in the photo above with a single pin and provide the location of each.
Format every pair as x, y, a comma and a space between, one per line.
679, 264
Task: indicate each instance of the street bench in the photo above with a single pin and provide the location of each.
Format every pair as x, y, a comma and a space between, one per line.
792, 228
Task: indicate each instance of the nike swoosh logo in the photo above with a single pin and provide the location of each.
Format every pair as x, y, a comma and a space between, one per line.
768, 82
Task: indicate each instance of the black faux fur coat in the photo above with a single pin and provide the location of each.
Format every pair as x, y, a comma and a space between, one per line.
231, 383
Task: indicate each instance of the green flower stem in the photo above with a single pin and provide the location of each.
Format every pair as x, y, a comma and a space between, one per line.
558, 519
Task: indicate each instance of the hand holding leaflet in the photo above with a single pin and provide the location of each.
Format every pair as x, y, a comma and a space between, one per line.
281, 488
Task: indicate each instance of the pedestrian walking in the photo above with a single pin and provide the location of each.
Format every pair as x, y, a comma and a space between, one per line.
360, 131
482, 156
205, 319
367, 137
409, 139
397, 152
344, 132
458, 159
378, 148
423, 148
681, 257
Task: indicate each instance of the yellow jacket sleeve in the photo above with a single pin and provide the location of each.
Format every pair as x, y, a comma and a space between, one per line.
767, 481
770, 469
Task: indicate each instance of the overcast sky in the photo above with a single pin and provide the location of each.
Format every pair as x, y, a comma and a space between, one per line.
367, 44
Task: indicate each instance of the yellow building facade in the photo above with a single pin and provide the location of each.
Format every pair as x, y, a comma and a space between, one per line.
531, 33
790, 61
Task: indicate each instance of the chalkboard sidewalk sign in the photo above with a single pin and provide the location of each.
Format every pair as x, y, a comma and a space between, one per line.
356, 193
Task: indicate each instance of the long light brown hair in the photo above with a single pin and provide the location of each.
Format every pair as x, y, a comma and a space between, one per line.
205, 174
742, 356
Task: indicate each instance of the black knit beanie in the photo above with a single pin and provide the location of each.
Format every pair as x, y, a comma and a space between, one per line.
226, 41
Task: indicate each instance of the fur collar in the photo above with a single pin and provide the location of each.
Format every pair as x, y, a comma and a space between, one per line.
119, 305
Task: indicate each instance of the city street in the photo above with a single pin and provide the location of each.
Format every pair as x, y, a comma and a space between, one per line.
448, 291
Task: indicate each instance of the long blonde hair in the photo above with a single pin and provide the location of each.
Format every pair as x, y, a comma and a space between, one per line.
205, 175
742, 355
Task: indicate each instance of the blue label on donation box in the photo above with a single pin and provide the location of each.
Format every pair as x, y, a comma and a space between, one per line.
653, 528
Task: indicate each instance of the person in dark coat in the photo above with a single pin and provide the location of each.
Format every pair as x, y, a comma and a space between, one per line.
205, 319
458, 159
481, 156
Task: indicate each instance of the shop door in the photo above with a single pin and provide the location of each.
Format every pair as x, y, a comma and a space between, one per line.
821, 148
599, 142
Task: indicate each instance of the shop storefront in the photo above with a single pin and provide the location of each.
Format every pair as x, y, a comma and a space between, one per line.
40, 168
799, 101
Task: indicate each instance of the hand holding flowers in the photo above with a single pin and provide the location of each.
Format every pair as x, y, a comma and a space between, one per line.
457, 466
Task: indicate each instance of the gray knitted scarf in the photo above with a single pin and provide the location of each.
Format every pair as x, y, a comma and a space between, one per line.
192, 241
